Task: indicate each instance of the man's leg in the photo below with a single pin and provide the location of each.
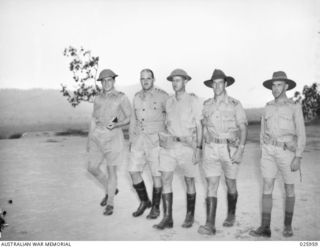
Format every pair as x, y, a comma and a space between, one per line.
289, 207
95, 162
211, 206
264, 229
141, 190
112, 185
167, 197
191, 202
232, 201
156, 198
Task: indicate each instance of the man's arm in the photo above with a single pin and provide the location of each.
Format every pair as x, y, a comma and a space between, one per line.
301, 138
125, 108
301, 131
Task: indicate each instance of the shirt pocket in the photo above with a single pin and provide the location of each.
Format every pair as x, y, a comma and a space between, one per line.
228, 119
286, 121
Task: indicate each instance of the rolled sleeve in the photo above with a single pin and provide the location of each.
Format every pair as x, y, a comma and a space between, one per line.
241, 116
197, 107
300, 130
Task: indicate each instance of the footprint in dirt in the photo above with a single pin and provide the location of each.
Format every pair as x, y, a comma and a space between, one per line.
168, 235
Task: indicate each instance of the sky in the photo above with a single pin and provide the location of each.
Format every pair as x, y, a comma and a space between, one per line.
247, 39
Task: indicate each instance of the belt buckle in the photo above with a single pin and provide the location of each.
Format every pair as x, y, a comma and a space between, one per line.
178, 139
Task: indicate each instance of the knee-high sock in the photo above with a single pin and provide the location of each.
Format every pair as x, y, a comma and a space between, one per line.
266, 210
289, 207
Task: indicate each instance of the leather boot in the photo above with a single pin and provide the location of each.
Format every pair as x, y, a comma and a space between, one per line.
167, 221
209, 228
156, 198
105, 199
232, 203
191, 203
264, 229
144, 200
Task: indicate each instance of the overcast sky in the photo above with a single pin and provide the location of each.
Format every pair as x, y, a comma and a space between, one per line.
248, 39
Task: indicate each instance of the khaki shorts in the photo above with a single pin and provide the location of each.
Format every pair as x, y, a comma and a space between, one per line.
274, 159
217, 160
108, 145
145, 151
179, 155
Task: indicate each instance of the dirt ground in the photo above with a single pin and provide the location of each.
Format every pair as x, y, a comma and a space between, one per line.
54, 197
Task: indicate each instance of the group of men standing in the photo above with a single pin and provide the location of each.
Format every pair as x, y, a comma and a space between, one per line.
169, 131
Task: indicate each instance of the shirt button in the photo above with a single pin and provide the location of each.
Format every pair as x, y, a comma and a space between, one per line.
142, 119
143, 109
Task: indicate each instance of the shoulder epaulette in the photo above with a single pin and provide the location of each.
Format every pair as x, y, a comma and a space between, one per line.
270, 103
161, 91
192, 94
138, 93
233, 101
207, 101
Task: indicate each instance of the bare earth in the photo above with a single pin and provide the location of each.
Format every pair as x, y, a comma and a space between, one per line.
54, 197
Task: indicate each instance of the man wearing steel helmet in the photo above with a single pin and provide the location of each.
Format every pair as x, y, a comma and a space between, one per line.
180, 146
282, 140
224, 134
111, 111
147, 121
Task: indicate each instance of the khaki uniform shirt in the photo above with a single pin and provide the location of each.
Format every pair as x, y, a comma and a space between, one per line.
222, 119
283, 121
148, 112
183, 115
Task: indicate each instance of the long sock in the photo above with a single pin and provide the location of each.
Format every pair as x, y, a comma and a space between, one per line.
289, 208
266, 209
266, 203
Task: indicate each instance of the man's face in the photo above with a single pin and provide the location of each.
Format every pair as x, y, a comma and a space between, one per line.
219, 86
178, 83
107, 83
146, 80
279, 88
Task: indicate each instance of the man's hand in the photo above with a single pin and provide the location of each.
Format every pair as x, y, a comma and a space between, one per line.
112, 125
237, 156
295, 164
196, 156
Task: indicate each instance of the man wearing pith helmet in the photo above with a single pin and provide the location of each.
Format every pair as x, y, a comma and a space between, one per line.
282, 140
147, 121
224, 135
180, 146
111, 111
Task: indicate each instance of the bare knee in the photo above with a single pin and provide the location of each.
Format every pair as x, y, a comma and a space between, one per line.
289, 188
231, 185
268, 184
136, 177
166, 179
191, 188
212, 186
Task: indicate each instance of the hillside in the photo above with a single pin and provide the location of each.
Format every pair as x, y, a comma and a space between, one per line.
48, 110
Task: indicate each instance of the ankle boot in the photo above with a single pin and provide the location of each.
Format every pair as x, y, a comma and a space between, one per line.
209, 227
191, 203
232, 203
156, 198
264, 229
105, 199
144, 200
167, 221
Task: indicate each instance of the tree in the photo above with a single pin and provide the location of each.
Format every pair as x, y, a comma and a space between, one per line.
310, 101
84, 68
